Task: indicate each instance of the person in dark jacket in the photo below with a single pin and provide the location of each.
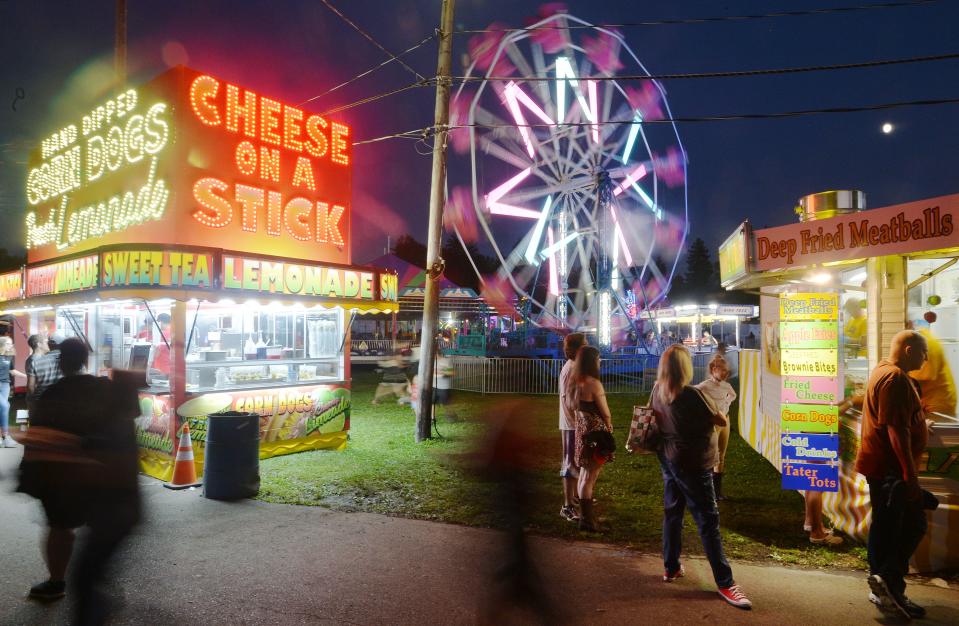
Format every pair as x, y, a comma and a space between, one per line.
80, 461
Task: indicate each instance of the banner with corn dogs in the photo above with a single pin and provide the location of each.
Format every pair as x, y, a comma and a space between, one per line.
292, 419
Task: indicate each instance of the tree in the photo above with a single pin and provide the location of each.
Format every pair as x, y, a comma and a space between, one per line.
11, 261
410, 250
699, 267
458, 266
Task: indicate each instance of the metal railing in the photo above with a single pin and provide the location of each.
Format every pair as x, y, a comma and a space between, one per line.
631, 375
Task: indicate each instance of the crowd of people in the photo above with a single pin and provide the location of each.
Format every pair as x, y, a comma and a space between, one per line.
694, 425
80, 458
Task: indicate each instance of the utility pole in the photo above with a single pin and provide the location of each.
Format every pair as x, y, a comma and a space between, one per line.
435, 264
120, 45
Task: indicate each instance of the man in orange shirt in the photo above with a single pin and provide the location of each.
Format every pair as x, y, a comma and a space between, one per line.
894, 434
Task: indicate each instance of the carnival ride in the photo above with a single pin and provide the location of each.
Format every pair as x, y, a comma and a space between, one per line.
576, 170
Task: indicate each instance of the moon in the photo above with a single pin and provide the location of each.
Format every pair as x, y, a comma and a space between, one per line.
887, 128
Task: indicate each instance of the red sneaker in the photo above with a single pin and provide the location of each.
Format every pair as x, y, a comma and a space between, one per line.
669, 576
735, 596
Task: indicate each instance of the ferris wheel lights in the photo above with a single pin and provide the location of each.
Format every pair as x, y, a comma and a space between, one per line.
538, 233
514, 95
553, 277
497, 208
631, 179
604, 325
551, 249
564, 72
620, 237
593, 112
631, 138
646, 99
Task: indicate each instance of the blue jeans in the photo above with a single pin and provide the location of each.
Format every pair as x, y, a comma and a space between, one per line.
4, 406
693, 490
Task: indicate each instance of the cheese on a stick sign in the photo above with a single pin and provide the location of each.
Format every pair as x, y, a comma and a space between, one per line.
191, 159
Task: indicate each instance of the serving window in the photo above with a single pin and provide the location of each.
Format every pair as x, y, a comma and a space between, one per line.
932, 308
231, 346
226, 345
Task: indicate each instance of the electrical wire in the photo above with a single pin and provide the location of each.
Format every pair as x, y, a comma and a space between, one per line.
370, 38
731, 73
739, 116
370, 71
718, 18
419, 133
410, 134
423, 83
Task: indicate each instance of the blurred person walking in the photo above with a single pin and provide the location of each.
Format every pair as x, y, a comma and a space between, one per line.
508, 459
586, 399
687, 458
7, 372
568, 470
894, 434
80, 461
936, 382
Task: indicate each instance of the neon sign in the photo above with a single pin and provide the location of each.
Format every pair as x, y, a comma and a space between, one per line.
11, 285
259, 208
113, 138
190, 160
267, 276
63, 276
155, 268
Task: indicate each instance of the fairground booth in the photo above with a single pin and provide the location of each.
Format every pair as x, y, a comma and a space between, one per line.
835, 288
462, 313
200, 231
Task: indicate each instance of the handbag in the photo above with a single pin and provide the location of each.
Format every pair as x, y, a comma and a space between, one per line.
644, 435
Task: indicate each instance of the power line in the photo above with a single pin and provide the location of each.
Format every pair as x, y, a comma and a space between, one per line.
371, 70
419, 133
717, 18
370, 38
730, 73
409, 134
699, 75
426, 82
739, 116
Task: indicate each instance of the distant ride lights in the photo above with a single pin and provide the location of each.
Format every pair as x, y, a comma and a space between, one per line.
578, 178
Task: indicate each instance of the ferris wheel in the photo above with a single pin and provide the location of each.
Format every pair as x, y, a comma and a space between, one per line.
578, 179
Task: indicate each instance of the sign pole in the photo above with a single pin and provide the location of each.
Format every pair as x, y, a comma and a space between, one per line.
434, 264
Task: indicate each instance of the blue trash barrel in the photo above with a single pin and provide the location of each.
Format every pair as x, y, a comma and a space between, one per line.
231, 467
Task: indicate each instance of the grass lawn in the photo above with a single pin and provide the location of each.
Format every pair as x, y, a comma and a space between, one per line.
384, 471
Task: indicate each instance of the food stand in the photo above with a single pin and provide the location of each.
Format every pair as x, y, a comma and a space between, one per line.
688, 321
886, 268
200, 231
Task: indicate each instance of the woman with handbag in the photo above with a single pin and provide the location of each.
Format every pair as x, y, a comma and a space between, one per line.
687, 456
586, 399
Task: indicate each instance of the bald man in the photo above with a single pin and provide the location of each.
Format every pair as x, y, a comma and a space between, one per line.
894, 434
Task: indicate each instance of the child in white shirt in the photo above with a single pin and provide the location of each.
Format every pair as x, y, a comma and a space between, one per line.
721, 393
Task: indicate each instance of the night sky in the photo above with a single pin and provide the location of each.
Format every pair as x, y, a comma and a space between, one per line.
60, 55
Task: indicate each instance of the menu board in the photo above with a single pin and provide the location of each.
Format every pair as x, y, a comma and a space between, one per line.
809, 415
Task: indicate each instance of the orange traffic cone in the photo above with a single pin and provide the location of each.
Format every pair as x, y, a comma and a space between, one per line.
184, 470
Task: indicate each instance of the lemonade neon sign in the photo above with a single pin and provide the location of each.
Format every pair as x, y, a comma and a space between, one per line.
113, 138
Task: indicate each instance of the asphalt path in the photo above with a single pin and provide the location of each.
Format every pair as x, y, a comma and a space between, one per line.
199, 561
